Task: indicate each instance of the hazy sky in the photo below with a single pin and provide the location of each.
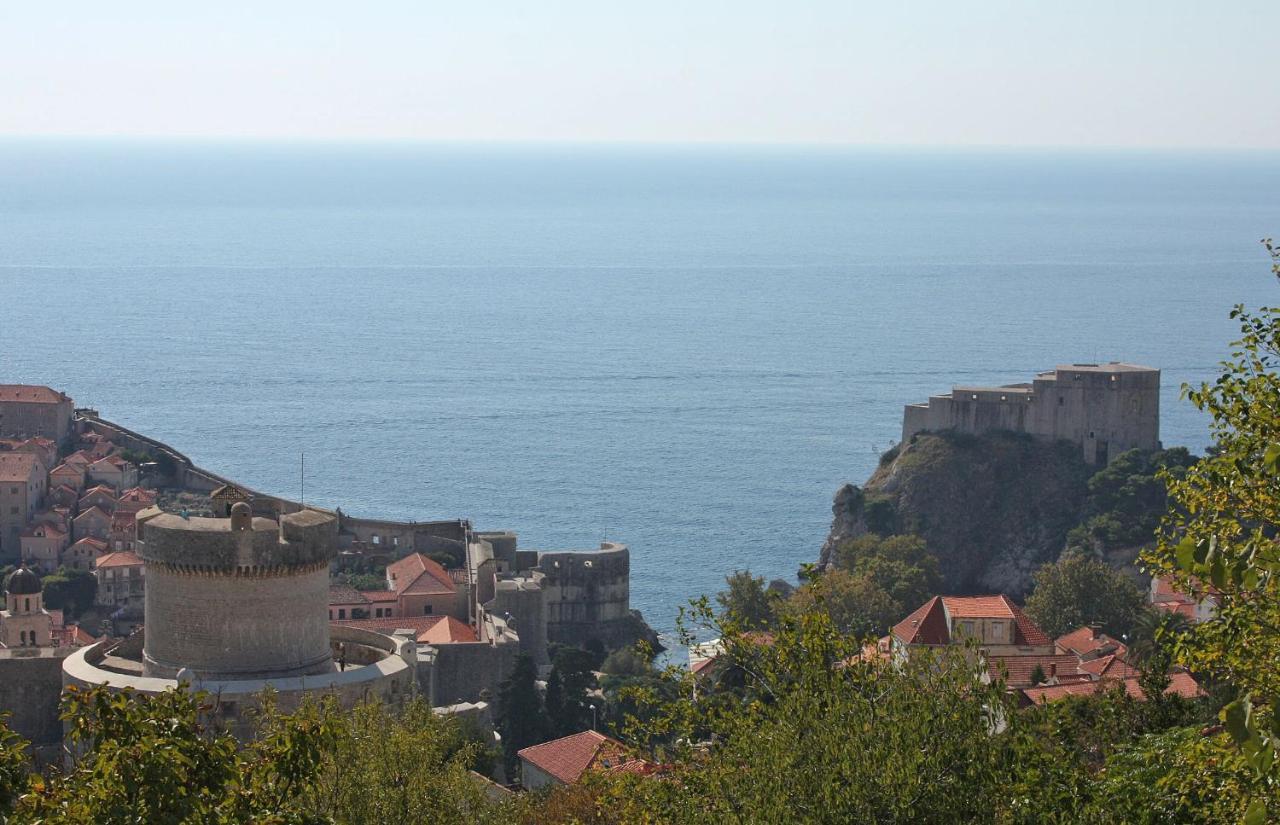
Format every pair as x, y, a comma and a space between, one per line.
953, 72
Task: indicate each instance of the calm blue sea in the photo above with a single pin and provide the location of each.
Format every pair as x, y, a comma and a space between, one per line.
686, 349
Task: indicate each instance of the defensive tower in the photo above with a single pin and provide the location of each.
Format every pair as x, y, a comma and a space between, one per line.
239, 597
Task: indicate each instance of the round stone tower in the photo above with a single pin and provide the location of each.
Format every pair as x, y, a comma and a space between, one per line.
237, 598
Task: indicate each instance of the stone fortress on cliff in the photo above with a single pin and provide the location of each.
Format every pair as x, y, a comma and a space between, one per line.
1105, 408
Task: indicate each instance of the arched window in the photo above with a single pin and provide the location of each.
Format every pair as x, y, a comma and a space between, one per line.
27, 605
23, 634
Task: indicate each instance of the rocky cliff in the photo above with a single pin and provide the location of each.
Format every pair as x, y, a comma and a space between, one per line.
992, 508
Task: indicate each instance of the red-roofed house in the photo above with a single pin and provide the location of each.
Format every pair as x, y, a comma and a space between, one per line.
23, 482
427, 630
27, 411
997, 624
80, 459
42, 448
1200, 607
42, 546
135, 499
82, 554
1180, 684
93, 522
121, 579
124, 530
423, 587
68, 475
115, 472
101, 496
564, 761
1089, 643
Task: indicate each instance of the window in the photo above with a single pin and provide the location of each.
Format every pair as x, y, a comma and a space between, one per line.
27, 605
966, 627
1062, 399
997, 631
426, 610
377, 539
395, 541
13, 491
342, 613
23, 634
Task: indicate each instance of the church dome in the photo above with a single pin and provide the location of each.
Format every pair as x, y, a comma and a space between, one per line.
22, 582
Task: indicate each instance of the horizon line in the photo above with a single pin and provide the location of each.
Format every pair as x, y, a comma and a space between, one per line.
612, 143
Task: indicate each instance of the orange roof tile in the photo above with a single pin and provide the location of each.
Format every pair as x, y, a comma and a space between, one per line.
568, 758
1087, 641
120, 558
431, 630
19, 467
97, 544
929, 624
1017, 670
1180, 684
416, 575
30, 394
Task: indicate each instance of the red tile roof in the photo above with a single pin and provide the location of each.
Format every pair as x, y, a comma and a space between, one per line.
926, 626
1017, 670
91, 510
121, 558
416, 575
1180, 684
929, 624
1089, 641
1109, 667
48, 528
568, 758
30, 394
97, 544
19, 467
430, 630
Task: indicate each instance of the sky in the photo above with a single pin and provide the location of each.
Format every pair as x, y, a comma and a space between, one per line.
1020, 73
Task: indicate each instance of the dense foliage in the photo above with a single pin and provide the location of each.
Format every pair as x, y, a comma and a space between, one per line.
72, 591
1079, 589
1220, 539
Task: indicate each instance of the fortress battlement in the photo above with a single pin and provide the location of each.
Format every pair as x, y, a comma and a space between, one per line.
1105, 408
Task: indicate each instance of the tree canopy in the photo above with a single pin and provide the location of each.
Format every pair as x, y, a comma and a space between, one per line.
1079, 589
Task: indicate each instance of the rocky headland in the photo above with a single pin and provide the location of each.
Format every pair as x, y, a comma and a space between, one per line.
993, 508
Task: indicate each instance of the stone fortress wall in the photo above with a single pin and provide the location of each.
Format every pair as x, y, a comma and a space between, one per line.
1105, 408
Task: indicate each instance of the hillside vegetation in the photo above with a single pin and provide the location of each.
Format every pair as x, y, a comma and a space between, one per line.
995, 508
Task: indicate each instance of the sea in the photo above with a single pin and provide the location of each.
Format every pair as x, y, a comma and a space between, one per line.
684, 348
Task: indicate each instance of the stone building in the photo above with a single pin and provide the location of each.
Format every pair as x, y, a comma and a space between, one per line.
235, 606
24, 622
121, 580
571, 596
23, 483
1105, 408
42, 546
27, 411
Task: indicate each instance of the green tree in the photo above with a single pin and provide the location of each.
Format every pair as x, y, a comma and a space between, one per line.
826, 735
571, 671
855, 603
1221, 533
410, 765
522, 719
72, 591
1078, 590
15, 773
909, 549
748, 602
1127, 499
153, 759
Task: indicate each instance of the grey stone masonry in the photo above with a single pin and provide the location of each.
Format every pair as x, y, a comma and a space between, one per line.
1105, 408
